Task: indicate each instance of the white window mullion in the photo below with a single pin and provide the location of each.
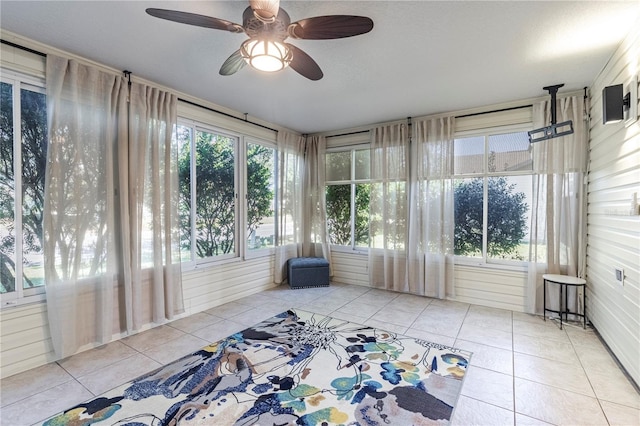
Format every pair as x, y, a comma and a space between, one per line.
192, 193
17, 176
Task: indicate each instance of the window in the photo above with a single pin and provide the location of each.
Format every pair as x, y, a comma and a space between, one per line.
23, 154
211, 183
493, 185
207, 206
260, 197
348, 191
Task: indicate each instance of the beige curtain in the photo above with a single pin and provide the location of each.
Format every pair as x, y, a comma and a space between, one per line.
388, 207
558, 204
315, 237
431, 218
106, 198
289, 208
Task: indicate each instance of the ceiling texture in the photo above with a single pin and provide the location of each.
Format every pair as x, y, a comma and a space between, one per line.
422, 57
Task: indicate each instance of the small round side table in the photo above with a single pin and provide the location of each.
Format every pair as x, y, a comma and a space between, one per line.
563, 282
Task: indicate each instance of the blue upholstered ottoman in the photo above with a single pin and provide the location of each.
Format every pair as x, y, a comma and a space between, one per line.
308, 272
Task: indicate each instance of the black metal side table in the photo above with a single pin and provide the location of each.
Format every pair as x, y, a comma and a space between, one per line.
563, 282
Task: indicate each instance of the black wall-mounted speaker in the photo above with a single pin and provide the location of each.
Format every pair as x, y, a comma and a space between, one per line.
612, 104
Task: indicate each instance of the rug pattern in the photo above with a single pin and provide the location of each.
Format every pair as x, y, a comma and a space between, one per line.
297, 368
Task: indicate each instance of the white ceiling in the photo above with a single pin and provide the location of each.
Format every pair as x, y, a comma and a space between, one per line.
421, 57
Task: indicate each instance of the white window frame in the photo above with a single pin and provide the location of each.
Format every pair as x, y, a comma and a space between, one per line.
484, 261
352, 182
196, 263
19, 81
252, 254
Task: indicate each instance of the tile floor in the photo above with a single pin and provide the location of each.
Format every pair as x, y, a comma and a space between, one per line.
524, 371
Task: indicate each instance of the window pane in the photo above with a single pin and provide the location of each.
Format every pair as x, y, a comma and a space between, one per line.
363, 193
260, 197
7, 191
363, 164
508, 217
215, 195
184, 135
468, 155
509, 152
338, 166
339, 214
468, 202
388, 218
34, 158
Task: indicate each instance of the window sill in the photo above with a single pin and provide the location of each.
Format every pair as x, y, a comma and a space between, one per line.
479, 263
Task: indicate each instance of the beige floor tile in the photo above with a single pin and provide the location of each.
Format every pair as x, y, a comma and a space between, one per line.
488, 386
96, 359
440, 319
176, 348
556, 406
620, 415
396, 317
23, 385
450, 304
410, 303
543, 348
146, 340
194, 322
497, 319
431, 337
614, 387
489, 357
43, 405
348, 316
579, 336
524, 317
219, 330
522, 420
487, 336
228, 309
540, 330
117, 374
471, 412
383, 325
596, 359
568, 376
359, 308
256, 315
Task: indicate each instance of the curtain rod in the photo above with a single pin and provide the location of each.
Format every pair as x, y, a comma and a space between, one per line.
244, 120
492, 111
26, 49
349, 134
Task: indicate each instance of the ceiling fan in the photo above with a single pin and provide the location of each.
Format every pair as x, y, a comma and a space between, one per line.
267, 26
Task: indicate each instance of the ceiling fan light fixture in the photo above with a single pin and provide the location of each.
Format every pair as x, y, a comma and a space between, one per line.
266, 55
265, 10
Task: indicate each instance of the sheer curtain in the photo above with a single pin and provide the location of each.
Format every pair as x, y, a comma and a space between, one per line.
106, 197
289, 208
315, 239
558, 203
388, 207
301, 209
431, 224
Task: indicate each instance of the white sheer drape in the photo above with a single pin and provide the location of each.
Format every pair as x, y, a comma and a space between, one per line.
558, 203
431, 218
315, 240
289, 208
388, 207
301, 209
110, 206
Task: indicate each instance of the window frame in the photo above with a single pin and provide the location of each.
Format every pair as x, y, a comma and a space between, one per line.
260, 252
352, 182
486, 133
20, 81
196, 263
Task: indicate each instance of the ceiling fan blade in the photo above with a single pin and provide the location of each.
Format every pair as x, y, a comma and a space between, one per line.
330, 27
195, 19
304, 65
233, 64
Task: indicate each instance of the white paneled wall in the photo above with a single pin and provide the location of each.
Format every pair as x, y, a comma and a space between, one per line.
496, 288
613, 235
350, 268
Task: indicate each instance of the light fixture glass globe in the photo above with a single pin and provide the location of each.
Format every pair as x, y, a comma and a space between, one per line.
266, 55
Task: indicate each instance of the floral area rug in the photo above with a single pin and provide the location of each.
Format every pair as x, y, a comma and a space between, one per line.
297, 368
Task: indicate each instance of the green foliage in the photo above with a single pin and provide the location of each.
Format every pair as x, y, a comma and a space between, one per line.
506, 220
215, 192
338, 200
34, 158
